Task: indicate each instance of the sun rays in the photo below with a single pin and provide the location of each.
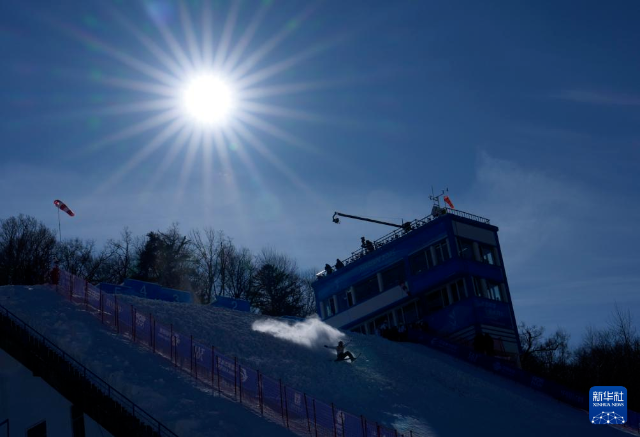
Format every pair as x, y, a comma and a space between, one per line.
203, 90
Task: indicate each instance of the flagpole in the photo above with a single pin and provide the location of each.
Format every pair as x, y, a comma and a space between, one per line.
59, 229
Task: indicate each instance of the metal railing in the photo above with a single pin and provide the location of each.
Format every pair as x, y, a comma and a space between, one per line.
104, 387
398, 233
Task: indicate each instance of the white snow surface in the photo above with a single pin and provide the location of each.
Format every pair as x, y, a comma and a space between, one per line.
401, 385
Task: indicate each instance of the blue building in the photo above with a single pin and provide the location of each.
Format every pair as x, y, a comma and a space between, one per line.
445, 271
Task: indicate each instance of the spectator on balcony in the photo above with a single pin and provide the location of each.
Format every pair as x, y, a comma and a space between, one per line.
328, 269
369, 246
339, 264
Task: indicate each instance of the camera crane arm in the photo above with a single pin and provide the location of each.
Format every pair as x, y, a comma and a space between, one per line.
406, 226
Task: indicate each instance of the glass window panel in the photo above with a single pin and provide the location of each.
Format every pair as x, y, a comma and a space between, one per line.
366, 289
487, 254
418, 262
393, 276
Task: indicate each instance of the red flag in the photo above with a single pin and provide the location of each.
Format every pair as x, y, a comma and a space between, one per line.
449, 202
60, 204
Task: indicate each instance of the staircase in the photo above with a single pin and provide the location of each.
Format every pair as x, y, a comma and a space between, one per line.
84, 389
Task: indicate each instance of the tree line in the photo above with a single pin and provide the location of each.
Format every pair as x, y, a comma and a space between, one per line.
608, 356
205, 262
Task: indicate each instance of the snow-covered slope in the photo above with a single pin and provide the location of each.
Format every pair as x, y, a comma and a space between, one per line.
402, 385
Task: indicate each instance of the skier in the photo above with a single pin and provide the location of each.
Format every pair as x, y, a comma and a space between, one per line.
341, 353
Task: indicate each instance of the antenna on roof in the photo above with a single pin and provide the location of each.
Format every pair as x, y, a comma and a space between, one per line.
436, 209
436, 199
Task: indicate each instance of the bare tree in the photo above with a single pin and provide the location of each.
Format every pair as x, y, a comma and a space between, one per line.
122, 262
80, 258
538, 351
621, 328
205, 262
26, 250
241, 270
308, 277
224, 253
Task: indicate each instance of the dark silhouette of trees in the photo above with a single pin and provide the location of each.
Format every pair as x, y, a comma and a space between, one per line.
206, 263
539, 353
81, 258
166, 259
147, 266
278, 285
26, 251
121, 264
241, 268
605, 357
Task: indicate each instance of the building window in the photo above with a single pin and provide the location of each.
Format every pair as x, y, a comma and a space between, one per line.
393, 276
418, 262
350, 298
442, 251
445, 296
366, 289
456, 291
486, 252
330, 306
477, 287
493, 291
465, 248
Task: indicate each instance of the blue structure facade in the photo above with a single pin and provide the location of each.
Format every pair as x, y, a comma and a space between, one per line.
148, 290
446, 272
231, 303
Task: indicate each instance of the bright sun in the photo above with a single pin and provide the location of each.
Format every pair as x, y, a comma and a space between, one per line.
208, 99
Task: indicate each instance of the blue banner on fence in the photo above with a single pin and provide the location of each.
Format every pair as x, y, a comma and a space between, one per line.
163, 340
115, 289
182, 348
150, 290
295, 403
234, 304
93, 296
271, 392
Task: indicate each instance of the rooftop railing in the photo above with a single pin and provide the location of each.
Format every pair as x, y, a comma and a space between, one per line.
400, 232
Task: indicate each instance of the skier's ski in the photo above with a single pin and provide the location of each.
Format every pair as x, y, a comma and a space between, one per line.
345, 359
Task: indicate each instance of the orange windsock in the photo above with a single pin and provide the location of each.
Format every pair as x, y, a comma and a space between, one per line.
61, 205
449, 202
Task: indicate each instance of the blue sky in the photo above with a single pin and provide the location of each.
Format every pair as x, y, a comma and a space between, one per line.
529, 113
